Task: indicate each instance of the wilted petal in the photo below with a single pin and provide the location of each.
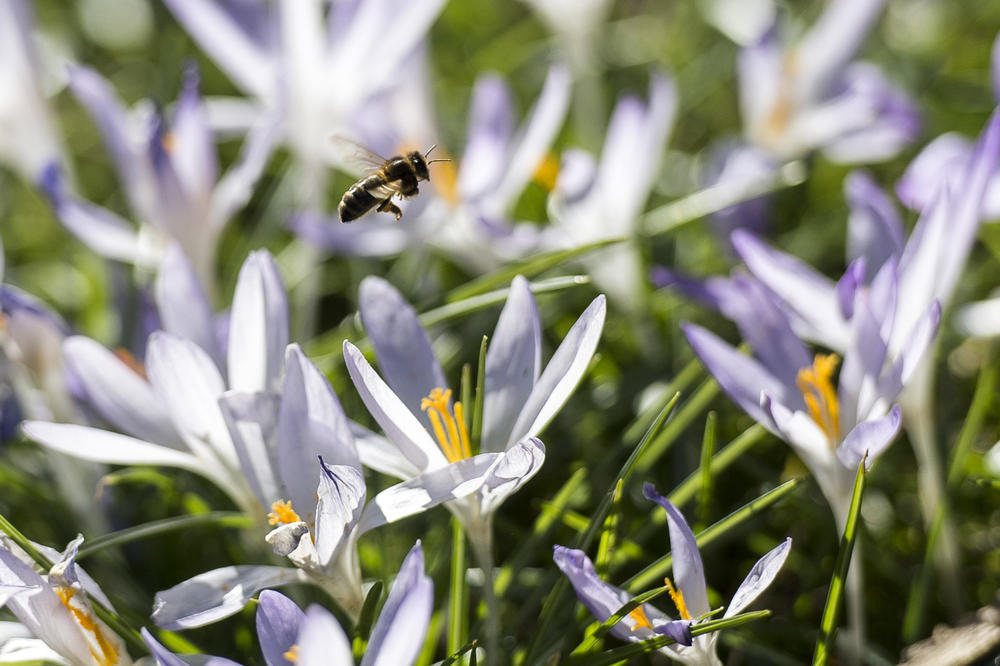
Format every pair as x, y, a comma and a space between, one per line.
340, 497
688, 569
454, 481
405, 616
513, 361
216, 594
401, 345
118, 394
182, 304
513, 469
562, 374
321, 640
871, 437
258, 326
396, 419
279, 620
759, 578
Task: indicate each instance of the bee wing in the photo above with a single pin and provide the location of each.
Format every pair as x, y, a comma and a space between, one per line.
355, 158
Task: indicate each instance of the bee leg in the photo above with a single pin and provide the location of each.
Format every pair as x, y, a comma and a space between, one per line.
388, 207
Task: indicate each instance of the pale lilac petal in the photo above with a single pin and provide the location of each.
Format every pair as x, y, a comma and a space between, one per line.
802, 434
515, 467
216, 594
689, 573
862, 367
321, 641
405, 616
871, 437
562, 374
401, 345
378, 453
740, 376
236, 186
603, 599
375, 238
228, 44
911, 354
119, 395
760, 577
258, 326
311, 424
279, 620
193, 147
165, 657
874, 227
513, 361
189, 384
761, 72
491, 122
396, 419
251, 419
340, 498
848, 285
99, 229
102, 446
810, 295
937, 163
453, 481
182, 304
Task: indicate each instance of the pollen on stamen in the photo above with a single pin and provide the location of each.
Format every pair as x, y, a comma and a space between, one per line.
282, 513
678, 598
449, 428
292, 654
816, 384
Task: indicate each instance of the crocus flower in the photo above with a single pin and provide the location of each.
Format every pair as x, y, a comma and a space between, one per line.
600, 199
315, 638
427, 429
169, 174
830, 425
56, 609
169, 408
690, 595
28, 138
318, 71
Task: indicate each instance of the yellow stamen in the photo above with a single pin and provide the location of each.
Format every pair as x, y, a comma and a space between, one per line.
820, 395
292, 654
449, 429
106, 653
282, 513
547, 172
678, 599
638, 616
168, 142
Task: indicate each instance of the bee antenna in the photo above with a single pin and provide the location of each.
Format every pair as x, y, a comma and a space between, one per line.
440, 159
427, 154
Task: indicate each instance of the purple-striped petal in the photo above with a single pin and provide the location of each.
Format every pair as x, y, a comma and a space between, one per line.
340, 498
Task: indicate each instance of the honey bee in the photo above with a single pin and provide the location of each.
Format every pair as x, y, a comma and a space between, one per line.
386, 178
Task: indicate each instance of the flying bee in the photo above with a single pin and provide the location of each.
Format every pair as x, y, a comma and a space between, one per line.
386, 178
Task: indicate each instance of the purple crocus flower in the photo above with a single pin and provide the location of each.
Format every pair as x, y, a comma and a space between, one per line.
169, 174
426, 428
314, 638
690, 595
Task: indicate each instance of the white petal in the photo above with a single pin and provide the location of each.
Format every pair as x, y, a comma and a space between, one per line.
102, 446
183, 306
258, 326
760, 576
321, 640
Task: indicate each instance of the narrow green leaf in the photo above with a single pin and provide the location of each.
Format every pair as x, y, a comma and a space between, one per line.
590, 642
482, 301
658, 569
679, 384
216, 519
705, 469
458, 611
606, 544
528, 268
369, 611
477, 410
831, 610
469, 647
691, 410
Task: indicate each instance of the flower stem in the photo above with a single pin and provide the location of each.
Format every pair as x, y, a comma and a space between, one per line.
481, 537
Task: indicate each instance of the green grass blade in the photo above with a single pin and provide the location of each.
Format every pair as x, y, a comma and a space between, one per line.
216, 519
369, 611
691, 410
658, 569
705, 470
468, 648
679, 384
609, 531
458, 598
590, 642
477, 408
528, 268
476, 303
831, 610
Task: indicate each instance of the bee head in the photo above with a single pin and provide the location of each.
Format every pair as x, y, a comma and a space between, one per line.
419, 165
